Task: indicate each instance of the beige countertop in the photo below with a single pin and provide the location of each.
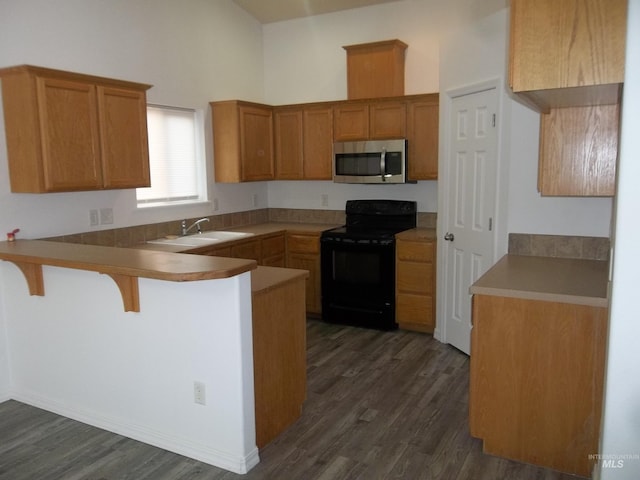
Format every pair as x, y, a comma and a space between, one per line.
124, 261
418, 235
258, 229
563, 280
265, 278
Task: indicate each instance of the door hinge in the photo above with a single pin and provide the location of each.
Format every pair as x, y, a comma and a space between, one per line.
490, 223
493, 120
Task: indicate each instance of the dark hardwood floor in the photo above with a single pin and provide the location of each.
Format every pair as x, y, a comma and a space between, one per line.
381, 405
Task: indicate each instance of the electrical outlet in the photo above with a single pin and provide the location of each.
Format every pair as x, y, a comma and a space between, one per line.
93, 218
324, 200
199, 393
216, 205
255, 199
106, 216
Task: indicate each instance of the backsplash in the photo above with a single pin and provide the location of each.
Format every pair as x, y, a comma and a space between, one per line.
136, 235
563, 246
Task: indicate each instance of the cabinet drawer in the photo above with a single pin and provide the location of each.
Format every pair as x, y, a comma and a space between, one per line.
414, 277
273, 246
415, 251
414, 309
303, 243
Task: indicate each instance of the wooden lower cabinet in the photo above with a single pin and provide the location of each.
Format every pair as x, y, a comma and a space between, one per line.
303, 252
415, 284
247, 249
273, 250
537, 371
279, 349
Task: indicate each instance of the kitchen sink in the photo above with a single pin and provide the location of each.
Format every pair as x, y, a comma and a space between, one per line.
201, 239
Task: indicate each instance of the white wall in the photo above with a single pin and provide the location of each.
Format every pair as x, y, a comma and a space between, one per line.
76, 352
531, 213
305, 62
478, 51
451, 45
192, 53
621, 416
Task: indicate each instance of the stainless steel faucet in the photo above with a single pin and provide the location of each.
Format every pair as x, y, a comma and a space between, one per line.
196, 224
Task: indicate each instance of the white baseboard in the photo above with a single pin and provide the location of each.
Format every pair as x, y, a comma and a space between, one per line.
181, 446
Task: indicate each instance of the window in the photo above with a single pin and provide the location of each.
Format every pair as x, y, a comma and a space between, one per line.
176, 159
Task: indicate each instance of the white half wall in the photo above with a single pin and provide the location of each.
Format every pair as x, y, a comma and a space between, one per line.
74, 351
5, 381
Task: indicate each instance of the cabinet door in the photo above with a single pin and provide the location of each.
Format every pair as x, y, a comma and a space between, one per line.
351, 122
303, 252
249, 250
288, 131
422, 138
318, 143
69, 131
310, 262
273, 251
256, 145
578, 151
568, 43
123, 138
387, 120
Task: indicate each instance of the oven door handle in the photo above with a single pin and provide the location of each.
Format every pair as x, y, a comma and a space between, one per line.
383, 164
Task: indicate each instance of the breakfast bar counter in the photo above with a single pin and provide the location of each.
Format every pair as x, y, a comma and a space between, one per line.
123, 265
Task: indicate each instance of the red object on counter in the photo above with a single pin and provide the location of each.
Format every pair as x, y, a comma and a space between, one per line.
11, 236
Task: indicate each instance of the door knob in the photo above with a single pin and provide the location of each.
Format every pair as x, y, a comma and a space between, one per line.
449, 237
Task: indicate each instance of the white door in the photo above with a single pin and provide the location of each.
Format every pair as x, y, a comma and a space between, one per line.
471, 204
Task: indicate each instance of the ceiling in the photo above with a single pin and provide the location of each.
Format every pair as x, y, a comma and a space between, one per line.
277, 10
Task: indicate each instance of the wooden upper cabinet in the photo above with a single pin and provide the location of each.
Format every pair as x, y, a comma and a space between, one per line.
567, 61
375, 69
318, 142
370, 120
351, 121
578, 151
387, 119
303, 142
288, 142
256, 147
566, 43
123, 135
242, 141
422, 136
69, 132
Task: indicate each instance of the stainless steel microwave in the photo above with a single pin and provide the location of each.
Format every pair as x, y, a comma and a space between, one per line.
371, 161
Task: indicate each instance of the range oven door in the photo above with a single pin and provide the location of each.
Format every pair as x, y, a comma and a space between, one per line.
358, 283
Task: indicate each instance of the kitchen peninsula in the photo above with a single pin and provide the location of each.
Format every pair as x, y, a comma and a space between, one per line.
175, 371
537, 360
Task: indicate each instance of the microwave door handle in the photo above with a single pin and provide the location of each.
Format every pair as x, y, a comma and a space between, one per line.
383, 164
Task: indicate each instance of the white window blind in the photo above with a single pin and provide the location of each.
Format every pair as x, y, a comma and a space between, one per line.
175, 158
